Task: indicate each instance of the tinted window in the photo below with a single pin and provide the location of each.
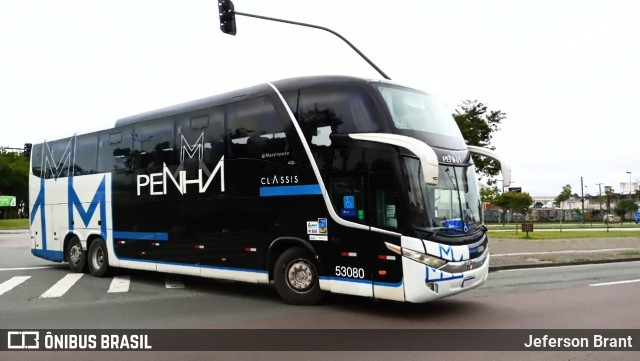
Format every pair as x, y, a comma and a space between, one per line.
384, 200
153, 144
114, 150
86, 154
36, 160
256, 131
327, 110
57, 158
348, 197
200, 137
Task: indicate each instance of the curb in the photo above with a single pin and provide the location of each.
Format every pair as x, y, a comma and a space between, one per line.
548, 265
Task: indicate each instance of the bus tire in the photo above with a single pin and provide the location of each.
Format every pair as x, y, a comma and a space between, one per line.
76, 255
296, 277
98, 258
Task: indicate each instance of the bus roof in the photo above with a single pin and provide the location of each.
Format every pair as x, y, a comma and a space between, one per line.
257, 90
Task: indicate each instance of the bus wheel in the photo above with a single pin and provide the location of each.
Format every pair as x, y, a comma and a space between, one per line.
296, 277
76, 254
98, 258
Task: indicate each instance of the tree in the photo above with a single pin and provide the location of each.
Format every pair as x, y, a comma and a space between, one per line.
478, 124
563, 196
516, 202
519, 202
14, 175
608, 195
625, 206
489, 194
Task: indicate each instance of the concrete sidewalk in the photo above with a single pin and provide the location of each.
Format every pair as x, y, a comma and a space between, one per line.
521, 253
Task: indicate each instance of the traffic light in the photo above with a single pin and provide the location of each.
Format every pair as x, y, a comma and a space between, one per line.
27, 149
227, 17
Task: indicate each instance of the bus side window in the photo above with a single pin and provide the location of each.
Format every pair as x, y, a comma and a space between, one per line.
257, 132
36, 160
347, 193
384, 200
86, 151
58, 155
153, 145
327, 110
115, 150
200, 137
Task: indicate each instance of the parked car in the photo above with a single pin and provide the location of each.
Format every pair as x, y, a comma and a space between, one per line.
610, 218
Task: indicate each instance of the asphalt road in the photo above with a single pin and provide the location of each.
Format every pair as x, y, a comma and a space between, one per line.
572, 297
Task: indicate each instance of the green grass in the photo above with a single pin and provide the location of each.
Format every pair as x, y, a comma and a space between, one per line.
565, 225
563, 235
14, 223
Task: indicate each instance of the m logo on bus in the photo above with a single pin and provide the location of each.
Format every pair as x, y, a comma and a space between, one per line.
57, 168
157, 183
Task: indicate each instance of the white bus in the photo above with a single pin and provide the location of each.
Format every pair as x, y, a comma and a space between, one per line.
315, 184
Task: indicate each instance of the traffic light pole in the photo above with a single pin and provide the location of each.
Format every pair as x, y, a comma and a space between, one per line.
321, 28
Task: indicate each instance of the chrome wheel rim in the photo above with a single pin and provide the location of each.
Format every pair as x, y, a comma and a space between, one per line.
300, 275
98, 258
75, 253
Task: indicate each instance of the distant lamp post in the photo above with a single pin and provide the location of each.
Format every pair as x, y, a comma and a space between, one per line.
629, 172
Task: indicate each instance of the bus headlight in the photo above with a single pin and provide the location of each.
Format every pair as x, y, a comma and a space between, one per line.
424, 258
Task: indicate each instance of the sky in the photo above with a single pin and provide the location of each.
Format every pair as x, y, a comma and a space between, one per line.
566, 73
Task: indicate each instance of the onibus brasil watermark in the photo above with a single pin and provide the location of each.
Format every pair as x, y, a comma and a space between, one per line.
37, 340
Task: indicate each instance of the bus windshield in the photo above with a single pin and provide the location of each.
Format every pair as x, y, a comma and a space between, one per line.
450, 208
414, 110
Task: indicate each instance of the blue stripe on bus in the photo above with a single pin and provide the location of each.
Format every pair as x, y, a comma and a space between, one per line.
142, 236
193, 265
57, 256
297, 190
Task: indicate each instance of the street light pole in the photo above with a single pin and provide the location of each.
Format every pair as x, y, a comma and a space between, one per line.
629, 172
582, 191
600, 196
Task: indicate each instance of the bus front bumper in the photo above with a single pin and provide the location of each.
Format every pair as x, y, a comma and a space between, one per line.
423, 283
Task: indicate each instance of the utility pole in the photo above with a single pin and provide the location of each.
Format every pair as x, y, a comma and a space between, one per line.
582, 192
600, 196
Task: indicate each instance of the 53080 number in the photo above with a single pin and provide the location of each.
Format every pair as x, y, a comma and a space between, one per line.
350, 272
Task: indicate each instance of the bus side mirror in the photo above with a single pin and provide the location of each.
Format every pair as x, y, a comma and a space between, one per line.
27, 149
504, 165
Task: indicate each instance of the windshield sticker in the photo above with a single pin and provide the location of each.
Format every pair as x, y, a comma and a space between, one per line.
348, 202
348, 209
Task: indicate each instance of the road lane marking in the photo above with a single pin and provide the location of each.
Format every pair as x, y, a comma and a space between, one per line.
613, 283
31, 268
13, 282
62, 286
119, 284
170, 282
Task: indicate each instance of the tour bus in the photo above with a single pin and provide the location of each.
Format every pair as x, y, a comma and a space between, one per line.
315, 184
